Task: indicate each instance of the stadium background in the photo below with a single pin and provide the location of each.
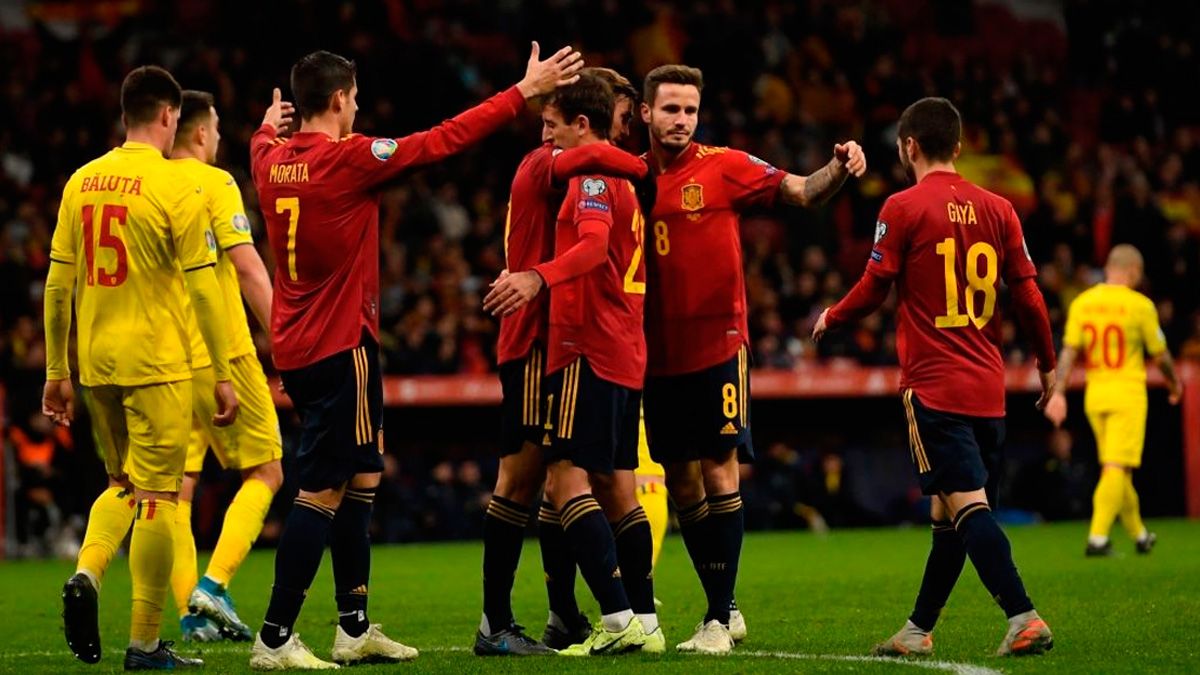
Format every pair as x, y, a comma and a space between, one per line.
1087, 123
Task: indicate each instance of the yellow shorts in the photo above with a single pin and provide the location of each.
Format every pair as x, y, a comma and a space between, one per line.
252, 439
646, 466
142, 432
1119, 426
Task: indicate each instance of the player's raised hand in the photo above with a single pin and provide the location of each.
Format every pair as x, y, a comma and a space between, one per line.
852, 157
820, 327
227, 404
1048, 380
543, 77
279, 115
58, 401
512, 292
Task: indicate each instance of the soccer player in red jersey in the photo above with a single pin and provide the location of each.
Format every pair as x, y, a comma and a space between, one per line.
537, 193
595, 361
945, 242
318, 191
697, 386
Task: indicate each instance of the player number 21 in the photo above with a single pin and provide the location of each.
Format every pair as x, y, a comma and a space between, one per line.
292, 206
639, 227
976, 283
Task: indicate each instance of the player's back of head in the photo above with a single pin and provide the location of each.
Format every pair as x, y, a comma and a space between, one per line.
935, 124
144, 93
620, 84
1124, 256
671, 74
316, 77
195, 109
590, 97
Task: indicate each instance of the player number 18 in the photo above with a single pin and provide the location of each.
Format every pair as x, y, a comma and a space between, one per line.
976, 283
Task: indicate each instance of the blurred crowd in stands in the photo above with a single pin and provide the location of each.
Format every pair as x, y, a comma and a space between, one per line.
1082, 112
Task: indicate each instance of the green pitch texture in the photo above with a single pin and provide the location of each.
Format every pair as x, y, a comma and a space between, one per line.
820, 600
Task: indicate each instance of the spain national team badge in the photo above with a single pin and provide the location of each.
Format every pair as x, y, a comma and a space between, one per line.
693, 197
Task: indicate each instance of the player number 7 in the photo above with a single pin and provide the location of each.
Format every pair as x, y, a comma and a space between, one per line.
292, 206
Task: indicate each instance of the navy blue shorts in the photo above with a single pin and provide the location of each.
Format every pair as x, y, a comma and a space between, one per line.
524, 416
340, 402
700, 415
952, 452
595, 424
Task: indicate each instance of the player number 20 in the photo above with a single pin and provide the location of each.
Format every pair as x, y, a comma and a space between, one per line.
976, 283
292, 206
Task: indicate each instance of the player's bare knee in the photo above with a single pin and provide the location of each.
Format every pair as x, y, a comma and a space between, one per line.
331, 498
366, 481
269, 474
685, 484
520, 475
568, 482
187, 489
721, 477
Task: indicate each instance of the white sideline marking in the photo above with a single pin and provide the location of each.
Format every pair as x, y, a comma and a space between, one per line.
947, 666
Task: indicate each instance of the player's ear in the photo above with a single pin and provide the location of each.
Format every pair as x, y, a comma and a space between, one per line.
957, 149
645, 107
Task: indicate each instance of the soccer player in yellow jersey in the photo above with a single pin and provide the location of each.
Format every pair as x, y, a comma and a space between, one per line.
132, 245
251, 444
651, 493
1113, 325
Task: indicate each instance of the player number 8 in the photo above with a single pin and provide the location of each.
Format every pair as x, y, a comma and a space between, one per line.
662, 242
729, 400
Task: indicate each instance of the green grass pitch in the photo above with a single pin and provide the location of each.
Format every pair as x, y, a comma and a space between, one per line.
813, 604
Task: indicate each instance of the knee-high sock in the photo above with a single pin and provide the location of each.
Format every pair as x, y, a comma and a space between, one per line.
652, 497
108, 523
503, 534
635, 555
693, 526
947, 554
726, 529
558, 563
596, 552
183, 572
296, 562
991, 554
350, 549
1131, 514
151, 556
243, 522
1107, 500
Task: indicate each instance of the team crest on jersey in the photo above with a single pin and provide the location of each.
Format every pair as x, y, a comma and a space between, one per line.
211, 240
383, 148
593, 187
880, 230
693, 197
241, 223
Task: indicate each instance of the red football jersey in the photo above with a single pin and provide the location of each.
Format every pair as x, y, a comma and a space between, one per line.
946, 242
528, 240
321, 208
696, 308
598, 314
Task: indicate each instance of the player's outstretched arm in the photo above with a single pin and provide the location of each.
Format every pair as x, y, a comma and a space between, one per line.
254, 282
543, 77
815, 189
602, 158
58, 396
862, 301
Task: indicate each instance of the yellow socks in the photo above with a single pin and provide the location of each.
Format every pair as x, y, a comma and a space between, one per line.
243, 522
151, 554
653, 498
183, 572
108, 523
1131, 515
1107, 501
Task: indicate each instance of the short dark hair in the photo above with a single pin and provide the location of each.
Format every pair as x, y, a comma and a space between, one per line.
145, 91
316, 77
591, 97
670, 74
935, 124
196, 109
620, 84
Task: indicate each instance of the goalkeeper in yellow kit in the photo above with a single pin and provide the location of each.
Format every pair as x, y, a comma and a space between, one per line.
1113, 326
252, 444
132, 245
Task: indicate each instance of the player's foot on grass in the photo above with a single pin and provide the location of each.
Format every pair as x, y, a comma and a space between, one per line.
737, 625
555, 637
1146, 543
370, 647
80, 622
908, 641
162, 658
511, 641
656, 642
291, 655
212, 600
196, 628
1027, 634
603, 642
1099, 550
710, 638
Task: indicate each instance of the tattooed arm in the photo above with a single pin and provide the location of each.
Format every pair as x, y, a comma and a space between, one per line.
817, 188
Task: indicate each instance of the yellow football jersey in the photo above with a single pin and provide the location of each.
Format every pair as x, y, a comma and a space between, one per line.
227, 221
1113, 326
131, 224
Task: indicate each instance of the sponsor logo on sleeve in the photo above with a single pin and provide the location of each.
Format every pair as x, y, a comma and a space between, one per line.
594, 204
241, 223
880, 230
766, 167
383, 148
211, 240
593, 187
876, 255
